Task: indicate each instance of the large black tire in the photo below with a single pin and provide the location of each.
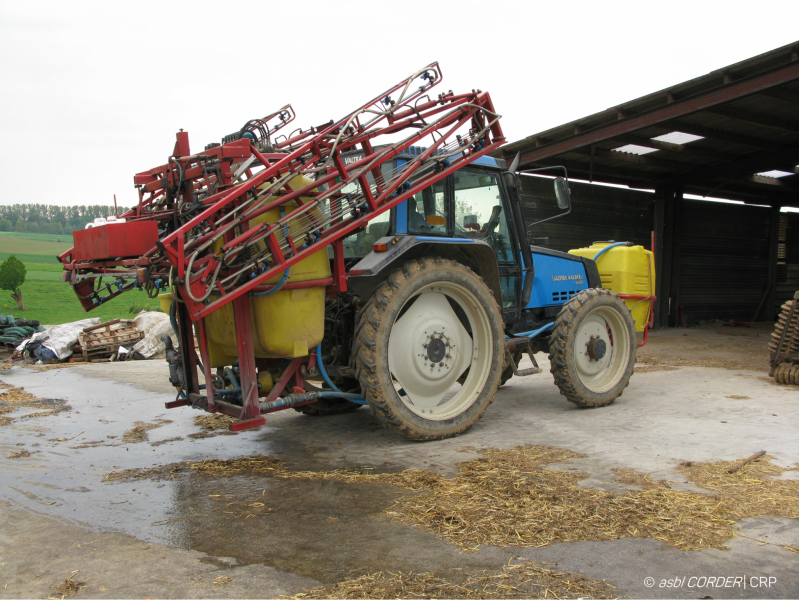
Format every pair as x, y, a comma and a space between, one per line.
449, 282
582, 375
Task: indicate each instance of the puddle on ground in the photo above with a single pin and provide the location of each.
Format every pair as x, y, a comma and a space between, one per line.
326, 530
313, 528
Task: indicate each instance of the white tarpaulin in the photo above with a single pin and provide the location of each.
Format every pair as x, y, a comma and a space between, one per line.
60, 338
154, 325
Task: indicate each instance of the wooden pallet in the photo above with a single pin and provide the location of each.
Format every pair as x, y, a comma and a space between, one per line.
99, 342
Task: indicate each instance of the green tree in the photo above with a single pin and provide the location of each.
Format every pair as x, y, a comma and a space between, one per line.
5, 225
12, 276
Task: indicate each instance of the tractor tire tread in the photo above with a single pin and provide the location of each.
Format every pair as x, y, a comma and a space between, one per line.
371, 337
558, 348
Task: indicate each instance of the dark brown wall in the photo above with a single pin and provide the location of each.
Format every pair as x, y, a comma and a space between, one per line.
723, 248
599, 213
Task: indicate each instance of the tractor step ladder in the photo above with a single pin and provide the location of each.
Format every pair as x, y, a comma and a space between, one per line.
524, 343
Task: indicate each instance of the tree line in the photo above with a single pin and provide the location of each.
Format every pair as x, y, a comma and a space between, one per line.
48, 218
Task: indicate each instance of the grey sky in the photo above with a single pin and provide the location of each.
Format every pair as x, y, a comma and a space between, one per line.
93, 92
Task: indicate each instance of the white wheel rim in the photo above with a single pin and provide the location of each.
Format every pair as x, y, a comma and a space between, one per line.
429, 349
602, 349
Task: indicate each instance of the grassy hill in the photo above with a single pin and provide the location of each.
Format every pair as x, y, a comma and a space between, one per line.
47, 298
42, 237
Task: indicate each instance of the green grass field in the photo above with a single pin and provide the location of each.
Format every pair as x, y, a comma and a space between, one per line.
41, 237
33, 250
54, 302
47, 298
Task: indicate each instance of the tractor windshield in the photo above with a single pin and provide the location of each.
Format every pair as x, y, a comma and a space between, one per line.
479, 212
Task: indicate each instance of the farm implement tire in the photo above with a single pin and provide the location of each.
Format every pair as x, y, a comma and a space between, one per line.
592, 349
429, 349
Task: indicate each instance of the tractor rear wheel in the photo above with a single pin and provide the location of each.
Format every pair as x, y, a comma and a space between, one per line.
592, 349
429, 349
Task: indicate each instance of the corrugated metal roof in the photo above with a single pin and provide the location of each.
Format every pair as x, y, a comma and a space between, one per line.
713, 135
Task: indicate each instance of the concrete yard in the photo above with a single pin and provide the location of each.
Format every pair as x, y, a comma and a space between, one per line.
699, 395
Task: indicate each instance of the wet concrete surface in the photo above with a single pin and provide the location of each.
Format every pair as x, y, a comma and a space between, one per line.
312, 531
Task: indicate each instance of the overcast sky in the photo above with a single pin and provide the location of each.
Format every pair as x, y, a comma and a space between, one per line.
93, 92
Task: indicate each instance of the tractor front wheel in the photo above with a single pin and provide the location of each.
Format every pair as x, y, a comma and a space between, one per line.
592, 349
429, 349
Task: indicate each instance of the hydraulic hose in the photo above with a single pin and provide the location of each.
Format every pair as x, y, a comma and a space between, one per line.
299, 399
337, 393
534, 332
277, 288
606, 248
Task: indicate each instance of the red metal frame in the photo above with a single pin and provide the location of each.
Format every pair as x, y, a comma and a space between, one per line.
206, 200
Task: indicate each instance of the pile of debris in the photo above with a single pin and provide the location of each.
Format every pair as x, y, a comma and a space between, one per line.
89, 341
106, 342
14, 330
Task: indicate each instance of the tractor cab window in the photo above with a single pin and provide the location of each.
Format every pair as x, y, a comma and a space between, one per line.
359, 244
427, 211
480, 214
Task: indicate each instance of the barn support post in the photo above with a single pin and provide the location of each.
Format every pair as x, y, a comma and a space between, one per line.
664, 243
768, 312
678, 216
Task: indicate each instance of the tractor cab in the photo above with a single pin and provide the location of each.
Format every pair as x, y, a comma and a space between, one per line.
475, 206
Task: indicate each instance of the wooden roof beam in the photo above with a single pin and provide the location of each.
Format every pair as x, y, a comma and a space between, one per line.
721, 136
763, 161
686, 150
674, 110
782, 94
754, 119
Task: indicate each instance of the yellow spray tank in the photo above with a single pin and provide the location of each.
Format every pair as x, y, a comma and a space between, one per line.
627, 271
287, 323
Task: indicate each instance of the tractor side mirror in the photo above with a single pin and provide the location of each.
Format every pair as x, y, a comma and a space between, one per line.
562, 193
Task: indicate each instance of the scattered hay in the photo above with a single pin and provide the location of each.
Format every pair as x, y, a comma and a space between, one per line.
68, 587
522, 580
508, 498
410, 479
214, 421
651, 369
732, 364
223, 580
160, 442
50, 367
751, 491
16, 397
20, 454
642, 480
91, 444
139, 431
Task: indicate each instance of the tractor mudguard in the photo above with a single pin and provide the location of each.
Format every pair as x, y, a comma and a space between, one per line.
372, 269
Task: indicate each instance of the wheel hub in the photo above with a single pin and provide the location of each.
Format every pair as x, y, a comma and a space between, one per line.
428, 350
437, 348
596, 348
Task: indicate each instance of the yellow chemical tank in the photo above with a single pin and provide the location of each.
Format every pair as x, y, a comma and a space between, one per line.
286, 323
626, 270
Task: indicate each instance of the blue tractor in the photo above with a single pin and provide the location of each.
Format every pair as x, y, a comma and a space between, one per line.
446, 294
